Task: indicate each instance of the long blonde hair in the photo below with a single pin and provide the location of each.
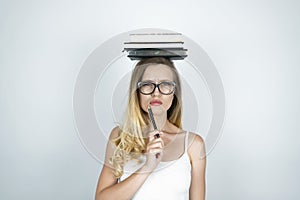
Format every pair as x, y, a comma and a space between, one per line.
130, 142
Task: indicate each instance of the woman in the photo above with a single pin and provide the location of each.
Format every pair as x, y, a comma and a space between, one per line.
143, 163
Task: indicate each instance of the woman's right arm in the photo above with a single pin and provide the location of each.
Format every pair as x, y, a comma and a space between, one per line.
108, 186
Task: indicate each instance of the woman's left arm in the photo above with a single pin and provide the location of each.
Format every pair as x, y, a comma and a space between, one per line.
197, 156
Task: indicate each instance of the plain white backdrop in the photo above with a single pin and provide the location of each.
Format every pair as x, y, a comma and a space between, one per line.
255, 46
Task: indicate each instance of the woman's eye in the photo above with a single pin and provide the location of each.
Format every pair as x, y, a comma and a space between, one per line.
166, 83
147, 85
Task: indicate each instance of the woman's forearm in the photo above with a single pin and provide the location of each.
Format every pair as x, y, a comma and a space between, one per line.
125, 189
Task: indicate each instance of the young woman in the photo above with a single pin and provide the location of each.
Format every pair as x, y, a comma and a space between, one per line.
143, 163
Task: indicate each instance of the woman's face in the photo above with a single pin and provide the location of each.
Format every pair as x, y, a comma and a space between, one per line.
157, 73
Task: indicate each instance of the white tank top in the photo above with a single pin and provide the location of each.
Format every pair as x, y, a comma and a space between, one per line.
170, 180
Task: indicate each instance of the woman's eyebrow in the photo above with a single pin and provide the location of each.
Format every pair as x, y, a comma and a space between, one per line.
153, 81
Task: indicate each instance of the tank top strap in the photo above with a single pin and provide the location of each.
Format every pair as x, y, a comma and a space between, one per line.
186, 142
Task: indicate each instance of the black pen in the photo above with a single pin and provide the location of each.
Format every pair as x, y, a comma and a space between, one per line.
154, 125
153, 121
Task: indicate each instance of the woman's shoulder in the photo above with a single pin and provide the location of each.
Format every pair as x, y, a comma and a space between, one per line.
196, 146
115, 133
195, 138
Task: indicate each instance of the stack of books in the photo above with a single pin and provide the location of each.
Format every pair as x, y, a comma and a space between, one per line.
142, 45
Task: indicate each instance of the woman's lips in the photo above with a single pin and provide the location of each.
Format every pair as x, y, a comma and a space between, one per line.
155, 103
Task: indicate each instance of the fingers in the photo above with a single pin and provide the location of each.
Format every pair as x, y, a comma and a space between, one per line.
155, 146
154, 149
157, 143
154, 134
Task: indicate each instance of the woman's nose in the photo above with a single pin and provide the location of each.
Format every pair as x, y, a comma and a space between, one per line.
156, 92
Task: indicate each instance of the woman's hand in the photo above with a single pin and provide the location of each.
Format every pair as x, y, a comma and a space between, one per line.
154, 150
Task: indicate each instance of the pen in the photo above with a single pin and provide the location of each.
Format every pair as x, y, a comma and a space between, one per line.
152, 120
154, 125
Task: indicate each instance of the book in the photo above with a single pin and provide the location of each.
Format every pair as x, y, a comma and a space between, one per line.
141, 45
169, 57
162, 52
155, 37
175, 53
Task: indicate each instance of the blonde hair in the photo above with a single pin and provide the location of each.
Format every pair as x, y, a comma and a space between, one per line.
131, 143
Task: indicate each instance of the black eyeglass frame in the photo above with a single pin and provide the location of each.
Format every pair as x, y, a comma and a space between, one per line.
156, 85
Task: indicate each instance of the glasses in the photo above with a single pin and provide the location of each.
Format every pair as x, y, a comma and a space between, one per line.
147, 88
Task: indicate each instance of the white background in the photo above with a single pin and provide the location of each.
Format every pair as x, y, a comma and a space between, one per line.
255, 46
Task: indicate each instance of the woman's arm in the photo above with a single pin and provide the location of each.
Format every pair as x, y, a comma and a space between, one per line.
197, 155
108, 186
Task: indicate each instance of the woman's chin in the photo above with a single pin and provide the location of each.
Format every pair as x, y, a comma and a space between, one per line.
158, 110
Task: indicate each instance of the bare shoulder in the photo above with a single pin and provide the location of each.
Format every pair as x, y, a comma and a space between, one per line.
114, 133
196, 148
111, 146
111, 143
195, 140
